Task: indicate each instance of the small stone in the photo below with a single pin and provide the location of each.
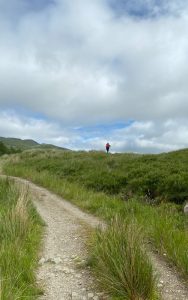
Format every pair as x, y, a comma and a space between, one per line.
90, 295
42, 261
74, 294
186, 208
56, 260
95, 298
161, 281
66, 270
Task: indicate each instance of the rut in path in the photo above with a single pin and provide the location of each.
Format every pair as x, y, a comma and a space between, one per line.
64, 242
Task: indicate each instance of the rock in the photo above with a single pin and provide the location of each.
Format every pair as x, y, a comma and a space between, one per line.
42, 261
161, 281
90, 295
66, 270
186, 208
56, 260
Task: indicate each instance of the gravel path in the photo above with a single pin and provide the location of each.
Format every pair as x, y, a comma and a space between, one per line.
64, 249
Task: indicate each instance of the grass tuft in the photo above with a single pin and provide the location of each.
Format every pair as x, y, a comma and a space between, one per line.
121, 262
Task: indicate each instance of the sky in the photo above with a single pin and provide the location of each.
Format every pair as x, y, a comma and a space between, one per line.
80, 73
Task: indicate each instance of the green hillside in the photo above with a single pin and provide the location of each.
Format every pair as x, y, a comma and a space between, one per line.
162, 177
139, 193
18, 143
26, 144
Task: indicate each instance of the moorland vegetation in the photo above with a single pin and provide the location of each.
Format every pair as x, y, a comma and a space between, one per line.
144, 193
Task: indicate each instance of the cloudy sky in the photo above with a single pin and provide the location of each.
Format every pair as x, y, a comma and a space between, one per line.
79, 73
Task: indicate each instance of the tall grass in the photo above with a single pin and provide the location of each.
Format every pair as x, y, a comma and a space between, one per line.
121, 262
160, 177
20, 233
164, 225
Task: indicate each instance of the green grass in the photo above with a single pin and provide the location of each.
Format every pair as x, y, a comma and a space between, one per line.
140, 188
161, 177
20, 234
121, 262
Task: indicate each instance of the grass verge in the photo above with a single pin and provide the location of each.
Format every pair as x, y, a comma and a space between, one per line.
20, 234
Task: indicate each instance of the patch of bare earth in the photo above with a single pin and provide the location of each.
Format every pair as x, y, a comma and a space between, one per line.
64, 249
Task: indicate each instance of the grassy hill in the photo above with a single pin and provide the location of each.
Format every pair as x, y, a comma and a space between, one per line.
18, 143
142, 195
162, 177
26, 144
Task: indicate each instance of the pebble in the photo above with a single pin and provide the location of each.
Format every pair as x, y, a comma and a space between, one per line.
56, 260
161, 281
42, 261
66, 270
90, 295
74, 294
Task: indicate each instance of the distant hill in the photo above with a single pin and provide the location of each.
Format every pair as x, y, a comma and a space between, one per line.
26, 144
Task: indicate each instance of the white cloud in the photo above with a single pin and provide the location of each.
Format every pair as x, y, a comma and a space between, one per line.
43, 131
78, 63
144, 137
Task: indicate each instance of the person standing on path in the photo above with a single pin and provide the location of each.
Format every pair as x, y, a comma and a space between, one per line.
107, 147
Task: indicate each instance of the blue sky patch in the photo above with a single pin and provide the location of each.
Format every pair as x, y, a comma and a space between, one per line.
21, 111
102, 130
39, 4
139, 8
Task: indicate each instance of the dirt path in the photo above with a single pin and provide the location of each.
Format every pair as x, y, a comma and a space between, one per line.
64, 248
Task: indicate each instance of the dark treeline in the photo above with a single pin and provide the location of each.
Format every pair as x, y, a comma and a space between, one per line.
6, 150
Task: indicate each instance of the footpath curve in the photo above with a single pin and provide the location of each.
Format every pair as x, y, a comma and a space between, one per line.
64, 247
